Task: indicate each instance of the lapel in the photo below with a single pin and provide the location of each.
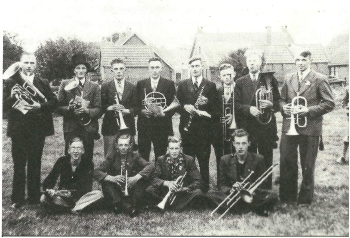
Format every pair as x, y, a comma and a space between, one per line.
191, 87
233, 162
294, 82
112, 89
130, 161
87, 88
127, 90
251, 88
148, 86
248, 167
161, 84
309, 79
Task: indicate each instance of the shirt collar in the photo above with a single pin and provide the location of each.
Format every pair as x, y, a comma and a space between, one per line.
199, 80
81, 80
30, 78
121, 81
304, 73
256, 75
155, 80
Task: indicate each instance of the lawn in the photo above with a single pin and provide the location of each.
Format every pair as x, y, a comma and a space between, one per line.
327, 216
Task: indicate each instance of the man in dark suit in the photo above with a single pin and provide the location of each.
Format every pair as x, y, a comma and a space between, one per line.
112, 176
222, 141
28, 126
90, 92
125, 93
198, 99
154, 127
258, 121
169, 168
315, 88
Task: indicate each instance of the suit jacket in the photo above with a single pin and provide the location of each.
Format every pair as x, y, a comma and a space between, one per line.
245, 90
166, 87
319, 99
79, 180
186, 95
38, 121
135, 164
228, 170
92, 93
108, 92
162, 173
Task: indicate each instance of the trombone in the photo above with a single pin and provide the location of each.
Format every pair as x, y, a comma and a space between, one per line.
121, 122
171, 195
295, 119
263, 94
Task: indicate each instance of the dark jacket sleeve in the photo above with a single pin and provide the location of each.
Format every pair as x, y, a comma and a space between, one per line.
139, 98
63, 107
51, 179
193, 175
52, 101
240, 107
104, 97
276, 94
224, 181
95, 105
84, 185
101, 172
157, 176
6, 96
260, 168
147, 168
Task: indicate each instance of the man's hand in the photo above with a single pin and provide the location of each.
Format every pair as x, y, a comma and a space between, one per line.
32, 107
236, 187
302, 110
125, 111
15, 91
182, 190
133, 180
266, 104
115, 107
146, 113
287, 109
118, 179
171, 185
51, 192
254, 111
228, 119
190, 109
202, 100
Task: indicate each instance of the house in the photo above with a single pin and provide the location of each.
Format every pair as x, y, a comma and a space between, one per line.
277, 48
338, 53
135, 53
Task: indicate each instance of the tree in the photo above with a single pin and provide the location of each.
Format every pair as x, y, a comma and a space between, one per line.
54, 57
12, 49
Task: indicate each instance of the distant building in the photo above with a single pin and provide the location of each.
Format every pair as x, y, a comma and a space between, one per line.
134, 51
214, 47
338, 53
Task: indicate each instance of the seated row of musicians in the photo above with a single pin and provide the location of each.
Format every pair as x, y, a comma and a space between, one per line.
174, 173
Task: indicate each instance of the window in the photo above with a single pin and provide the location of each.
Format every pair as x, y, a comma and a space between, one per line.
334, 71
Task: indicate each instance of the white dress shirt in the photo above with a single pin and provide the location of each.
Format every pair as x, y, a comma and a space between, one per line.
228, 91
29, 78
154, 83
302, 75
199, 80
254, 77
119, 85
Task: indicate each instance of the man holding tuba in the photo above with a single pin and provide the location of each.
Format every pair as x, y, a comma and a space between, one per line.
256, 100
176, 173
118, 99
80, 105
29, 102
312, 89
124, 177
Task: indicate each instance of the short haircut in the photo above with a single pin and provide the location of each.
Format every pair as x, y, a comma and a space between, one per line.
251, 52
305, 53
154, 59
26, 53
174, 139
124, 136
76, 139
225, 66
240, 133
195, 58
117, 61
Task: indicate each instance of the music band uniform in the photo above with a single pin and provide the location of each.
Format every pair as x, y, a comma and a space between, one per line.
316, 89
28, 132
154, 129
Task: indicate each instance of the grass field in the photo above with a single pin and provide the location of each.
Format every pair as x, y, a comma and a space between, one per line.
327, 216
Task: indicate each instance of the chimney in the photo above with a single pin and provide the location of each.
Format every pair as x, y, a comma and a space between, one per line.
268, 35
115, 37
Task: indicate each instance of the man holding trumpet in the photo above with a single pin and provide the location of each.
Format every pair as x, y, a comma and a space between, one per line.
175, 173
302, 127
117, 95
124, 177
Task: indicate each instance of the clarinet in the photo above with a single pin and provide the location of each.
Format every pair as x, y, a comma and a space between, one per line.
195, 106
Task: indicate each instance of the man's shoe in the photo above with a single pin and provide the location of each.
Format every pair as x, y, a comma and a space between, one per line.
262, 212
16, 205
117, 210
132, 212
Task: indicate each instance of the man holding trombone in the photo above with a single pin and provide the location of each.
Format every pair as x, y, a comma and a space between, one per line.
243, 178
177, 179
306, 96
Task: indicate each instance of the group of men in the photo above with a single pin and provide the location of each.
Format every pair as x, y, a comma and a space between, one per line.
129, 179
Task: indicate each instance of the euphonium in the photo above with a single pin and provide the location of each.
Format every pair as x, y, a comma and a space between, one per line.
263, 94
121, 123
295, 119
171, 196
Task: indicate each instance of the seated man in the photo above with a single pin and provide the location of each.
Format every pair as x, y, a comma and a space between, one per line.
235, 168
124, 177
169, 168
74, 175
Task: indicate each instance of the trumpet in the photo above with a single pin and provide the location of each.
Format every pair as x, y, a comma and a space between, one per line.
295, 119
196, 107
263, 94
121, 122
126, 192
227, 108
171, 196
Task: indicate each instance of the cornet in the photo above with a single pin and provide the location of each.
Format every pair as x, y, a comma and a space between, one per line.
126, 191
227, 108
295, 119
121, 122
263, 94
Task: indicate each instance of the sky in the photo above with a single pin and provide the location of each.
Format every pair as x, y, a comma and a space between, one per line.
171, 23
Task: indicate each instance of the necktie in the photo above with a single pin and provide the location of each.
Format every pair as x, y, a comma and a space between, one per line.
119, 89
300, 80
196, 86
81, 84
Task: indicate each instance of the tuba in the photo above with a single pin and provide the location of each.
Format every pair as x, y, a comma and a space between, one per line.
295, 119
121, 122
263, 94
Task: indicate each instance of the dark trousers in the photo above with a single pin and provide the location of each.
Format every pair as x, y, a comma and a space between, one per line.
308, 148
197, 145
88, 141
27, 148
264, 148
155, 136
114, 195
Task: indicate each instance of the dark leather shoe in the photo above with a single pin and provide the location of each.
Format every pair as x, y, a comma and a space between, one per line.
262, 212
16, 205
117, 210
132, 212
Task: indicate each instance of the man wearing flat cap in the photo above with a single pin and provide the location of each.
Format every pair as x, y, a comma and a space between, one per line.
80, 116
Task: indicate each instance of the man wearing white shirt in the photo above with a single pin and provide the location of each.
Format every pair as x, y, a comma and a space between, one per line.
117, 95
152, 127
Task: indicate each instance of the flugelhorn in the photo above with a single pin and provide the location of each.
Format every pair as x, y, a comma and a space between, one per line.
171, 195
263, 94
196, 107
121, 123
295, 119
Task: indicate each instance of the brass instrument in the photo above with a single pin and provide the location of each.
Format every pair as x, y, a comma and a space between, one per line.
227, 108
154, 102
121, 122
295, 119
175, 104
126, 191
196, 107
263, 94
171, 196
